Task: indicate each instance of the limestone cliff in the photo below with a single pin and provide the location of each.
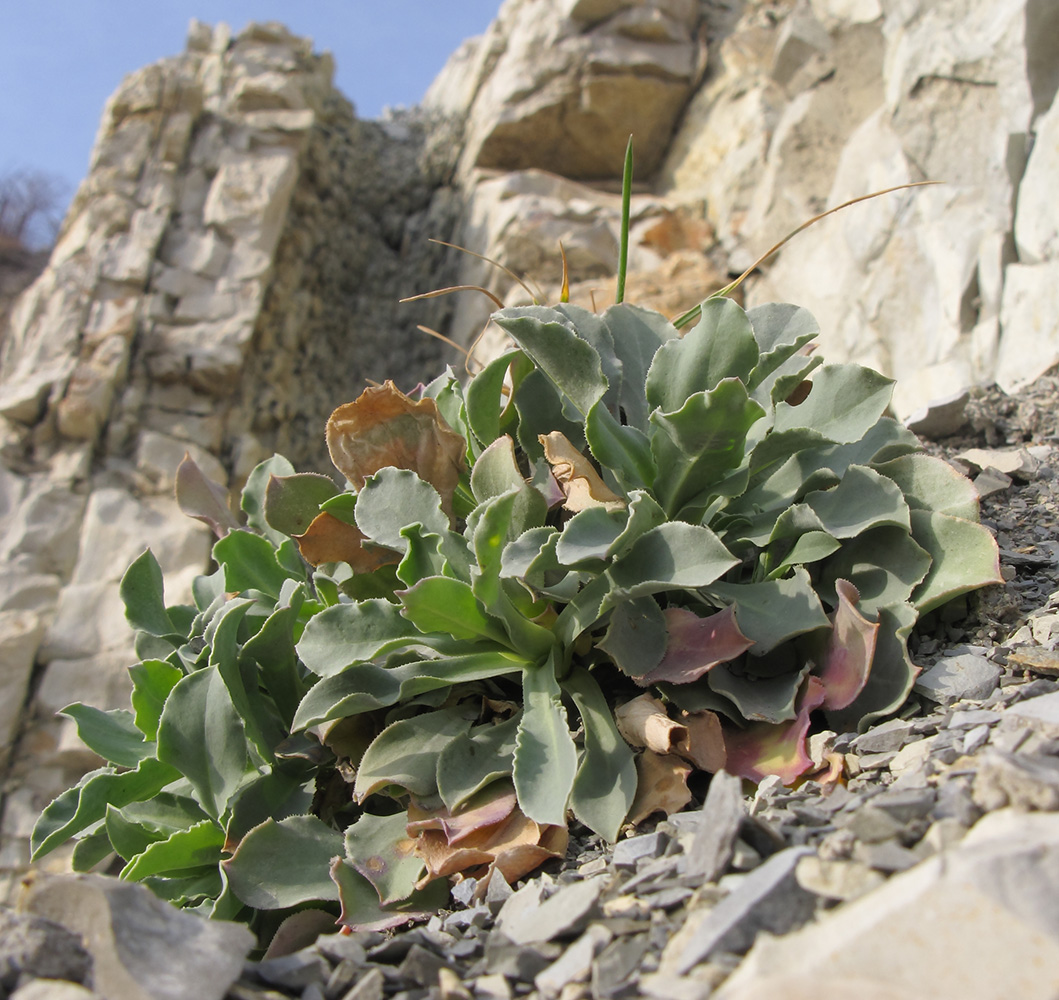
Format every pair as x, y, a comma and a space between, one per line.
230, 268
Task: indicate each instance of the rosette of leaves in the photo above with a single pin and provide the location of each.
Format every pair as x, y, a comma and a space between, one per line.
417, 675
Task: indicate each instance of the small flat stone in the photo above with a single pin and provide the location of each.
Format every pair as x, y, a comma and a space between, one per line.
463, 891
617, 963
1023, 781
768, 899
1044, 662
560, 914
293, 971
842, 880
721, 816
368, 987
1040, 713
421, 966
633, 849
975, 717
905, 804
888, 856
492, 987
575, 963
341, 947
975, 738
889, 735
912, 756
870, 825
952, 678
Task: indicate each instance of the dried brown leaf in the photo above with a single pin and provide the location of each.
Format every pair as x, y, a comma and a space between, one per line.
384, 427
577, 476
644, 723
661, 786
328, 539
704, 745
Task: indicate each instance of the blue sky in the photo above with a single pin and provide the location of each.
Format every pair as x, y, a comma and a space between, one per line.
61, 59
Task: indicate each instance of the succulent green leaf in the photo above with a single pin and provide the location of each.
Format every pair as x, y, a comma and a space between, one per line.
278, 865
773, 611
696, 446
350, 633
423, 556
342, 506
845, 402
158, 816
545, 756
759, 699
252, 501
483, 399
644, 514
152, 680
622, 449
964, 557
293, 502
203, 885
86, 803
527, 555
272, 649
584, 609
781, 330
587, 538
570, 363
441, 604
931, 484
394, 498
605, 783
846, 662
721, 345
379, 848
636, 636
249, 563
447, 392
141, 590
475, 759
367, 686
863, 499
540, 411
884, 564
496, 471
671, 556
113, 735
90, 850
202, 735
361, 910
406, 754
276, 794
786, 380
637, 334
811, 547
892, 673
194, 847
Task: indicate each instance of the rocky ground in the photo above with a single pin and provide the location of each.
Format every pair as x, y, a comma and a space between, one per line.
929, 868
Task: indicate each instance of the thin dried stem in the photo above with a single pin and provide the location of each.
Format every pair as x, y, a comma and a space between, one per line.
564, 292
489, 260
454, 288
693, 314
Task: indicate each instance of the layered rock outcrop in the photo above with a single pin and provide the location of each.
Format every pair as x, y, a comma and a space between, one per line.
230, 269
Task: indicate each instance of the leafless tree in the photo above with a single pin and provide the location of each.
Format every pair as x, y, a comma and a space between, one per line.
31, 206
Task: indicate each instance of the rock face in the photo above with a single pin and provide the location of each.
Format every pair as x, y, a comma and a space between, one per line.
230, 268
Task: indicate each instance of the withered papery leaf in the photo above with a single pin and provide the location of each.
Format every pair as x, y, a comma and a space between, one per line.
704, 745
696, 645
384, 427
661, 786
577, 476
514, 846
484, 811
328, 539
850, 650
764, 748
644, 722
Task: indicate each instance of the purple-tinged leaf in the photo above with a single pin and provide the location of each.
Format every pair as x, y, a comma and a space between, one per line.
763, 749
850, 650
202, 498
696, 645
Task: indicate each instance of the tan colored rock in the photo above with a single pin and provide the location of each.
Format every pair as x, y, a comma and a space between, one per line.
20, 635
